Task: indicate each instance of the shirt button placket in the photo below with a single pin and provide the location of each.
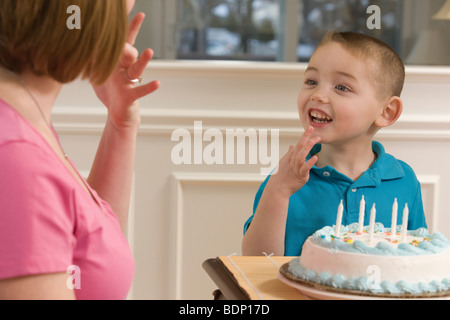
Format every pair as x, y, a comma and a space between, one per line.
353, 198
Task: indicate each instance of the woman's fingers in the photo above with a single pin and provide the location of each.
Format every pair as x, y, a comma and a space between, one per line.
134, 28
137, 68
142, 91
136, 71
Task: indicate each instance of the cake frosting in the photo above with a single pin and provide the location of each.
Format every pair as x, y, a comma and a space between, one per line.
386, 264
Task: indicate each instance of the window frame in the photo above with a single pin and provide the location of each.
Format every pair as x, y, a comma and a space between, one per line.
160, 32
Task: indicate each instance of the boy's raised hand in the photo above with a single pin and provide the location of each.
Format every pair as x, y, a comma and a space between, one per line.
293, 171
266, 233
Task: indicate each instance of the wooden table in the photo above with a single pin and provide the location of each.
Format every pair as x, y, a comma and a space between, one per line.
250, 278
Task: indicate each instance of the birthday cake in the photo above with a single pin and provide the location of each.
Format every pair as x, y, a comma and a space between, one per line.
378, 263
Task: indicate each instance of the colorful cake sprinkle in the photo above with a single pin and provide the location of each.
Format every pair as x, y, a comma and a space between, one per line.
351, 236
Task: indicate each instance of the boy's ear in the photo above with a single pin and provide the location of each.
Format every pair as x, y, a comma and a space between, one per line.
390, 113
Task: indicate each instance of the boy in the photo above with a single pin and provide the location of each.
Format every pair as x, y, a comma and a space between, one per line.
351, 89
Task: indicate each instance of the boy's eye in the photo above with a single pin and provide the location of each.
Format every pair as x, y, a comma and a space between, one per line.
341, 87
310, 82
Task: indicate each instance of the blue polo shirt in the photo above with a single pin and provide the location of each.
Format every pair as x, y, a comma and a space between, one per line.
315, 205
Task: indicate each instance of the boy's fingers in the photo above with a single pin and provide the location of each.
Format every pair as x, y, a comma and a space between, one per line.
305, 137
306, 168
303, 150
307, 141
287, 158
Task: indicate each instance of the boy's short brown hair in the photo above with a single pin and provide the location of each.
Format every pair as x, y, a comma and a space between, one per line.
34, 35
387, 68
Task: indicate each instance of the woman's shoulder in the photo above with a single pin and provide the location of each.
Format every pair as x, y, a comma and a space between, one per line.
14, 127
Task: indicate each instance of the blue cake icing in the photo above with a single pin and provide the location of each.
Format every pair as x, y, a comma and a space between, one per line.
434, 243
437, 242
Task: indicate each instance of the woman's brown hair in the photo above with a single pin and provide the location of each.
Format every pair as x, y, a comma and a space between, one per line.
34, 35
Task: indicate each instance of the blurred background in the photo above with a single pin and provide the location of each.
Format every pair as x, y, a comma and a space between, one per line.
289, 30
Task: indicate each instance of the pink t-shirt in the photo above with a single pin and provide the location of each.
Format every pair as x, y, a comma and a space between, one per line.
49, 224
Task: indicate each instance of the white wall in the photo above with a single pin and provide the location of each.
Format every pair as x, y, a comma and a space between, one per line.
182, 215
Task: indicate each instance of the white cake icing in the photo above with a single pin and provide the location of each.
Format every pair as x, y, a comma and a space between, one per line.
420, 264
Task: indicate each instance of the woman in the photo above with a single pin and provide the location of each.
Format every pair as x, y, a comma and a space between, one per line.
52, 222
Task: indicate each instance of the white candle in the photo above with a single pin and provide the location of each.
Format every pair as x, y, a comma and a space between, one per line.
373, 213
405, 222
362, 206
394, 219
337, 232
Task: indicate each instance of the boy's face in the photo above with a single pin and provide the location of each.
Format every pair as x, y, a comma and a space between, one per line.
338, 97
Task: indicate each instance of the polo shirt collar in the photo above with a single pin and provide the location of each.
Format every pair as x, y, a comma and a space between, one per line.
385, 167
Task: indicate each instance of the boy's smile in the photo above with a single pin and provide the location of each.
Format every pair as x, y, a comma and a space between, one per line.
338, 97
318, 118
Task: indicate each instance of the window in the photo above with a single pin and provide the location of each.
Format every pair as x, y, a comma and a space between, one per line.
289, 30
317, 17
239, 29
